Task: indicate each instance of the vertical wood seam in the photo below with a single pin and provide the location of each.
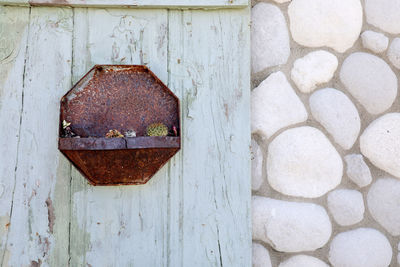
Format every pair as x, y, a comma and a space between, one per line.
70, 165
181, 191
169, 163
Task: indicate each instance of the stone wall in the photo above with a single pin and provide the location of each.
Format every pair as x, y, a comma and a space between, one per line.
326, 133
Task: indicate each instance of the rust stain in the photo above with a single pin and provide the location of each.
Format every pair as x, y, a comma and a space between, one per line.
50, 213
125, 98
46, 246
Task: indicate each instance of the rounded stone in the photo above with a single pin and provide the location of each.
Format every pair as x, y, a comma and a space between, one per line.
303, 261
370, 80
374, 41
302, 162
315, 68
261, 256
256, 166
290, 226
394, 52
380, 143
384, 204
335, 111
384, 14
332, 23
274, 105
269, 37
364, 247
346, 206
357, 170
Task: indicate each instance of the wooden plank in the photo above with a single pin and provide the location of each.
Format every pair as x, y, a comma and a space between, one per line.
125, 225
14, 2
203, 4
210, 203
39, 221
13, 38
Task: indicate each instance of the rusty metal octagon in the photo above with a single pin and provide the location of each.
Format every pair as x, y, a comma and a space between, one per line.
122, 97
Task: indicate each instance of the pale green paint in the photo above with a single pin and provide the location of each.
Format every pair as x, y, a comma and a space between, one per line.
13, 38
196, 210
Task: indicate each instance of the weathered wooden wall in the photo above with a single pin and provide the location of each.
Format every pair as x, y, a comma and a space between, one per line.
195, 211
169, 4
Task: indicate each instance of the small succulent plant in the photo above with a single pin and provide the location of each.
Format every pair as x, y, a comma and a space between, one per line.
114, 134
130, 133
157, 129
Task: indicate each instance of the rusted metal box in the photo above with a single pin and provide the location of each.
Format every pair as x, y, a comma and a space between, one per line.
121, 97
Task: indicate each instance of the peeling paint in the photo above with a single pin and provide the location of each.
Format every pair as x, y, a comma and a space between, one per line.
51, 215
37, 263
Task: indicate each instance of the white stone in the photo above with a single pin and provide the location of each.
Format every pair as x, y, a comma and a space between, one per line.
370, 80
269, 37
335, 111
364, 247
374, 41
261, 256
357, 170
384, 14
303, 261
256, 166
394, 52
275, 105
380, 143
384, 204
315, 68
302, 162
346, 206
290, 226
332, 23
